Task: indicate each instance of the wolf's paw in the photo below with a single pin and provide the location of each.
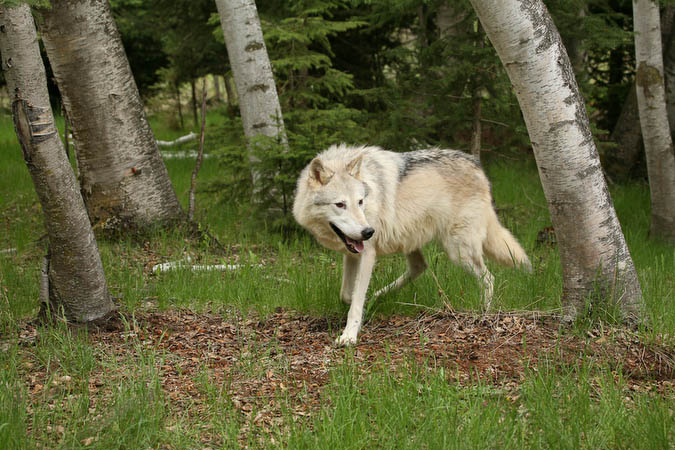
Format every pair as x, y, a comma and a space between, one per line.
345, 340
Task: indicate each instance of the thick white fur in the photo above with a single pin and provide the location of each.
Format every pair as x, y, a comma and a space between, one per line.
409, 199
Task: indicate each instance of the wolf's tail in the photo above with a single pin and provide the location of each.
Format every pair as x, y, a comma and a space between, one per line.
501, 246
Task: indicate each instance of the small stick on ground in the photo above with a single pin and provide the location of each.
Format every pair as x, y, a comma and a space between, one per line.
200, 156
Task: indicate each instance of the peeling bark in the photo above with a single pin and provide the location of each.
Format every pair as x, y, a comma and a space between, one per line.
124, 181
73, 282
594, 255
651, 97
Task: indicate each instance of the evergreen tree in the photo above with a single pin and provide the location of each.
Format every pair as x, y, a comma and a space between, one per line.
143, 42
311, 93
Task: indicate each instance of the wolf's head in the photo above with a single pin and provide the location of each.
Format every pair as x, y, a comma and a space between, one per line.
331, 203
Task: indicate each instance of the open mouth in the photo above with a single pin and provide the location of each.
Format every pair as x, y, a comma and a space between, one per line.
352, 245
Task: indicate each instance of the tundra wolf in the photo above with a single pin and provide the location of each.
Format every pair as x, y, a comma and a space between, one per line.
365, 201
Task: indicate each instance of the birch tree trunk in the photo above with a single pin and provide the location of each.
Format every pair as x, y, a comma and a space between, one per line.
627, 133
76, 284
252, 71
594, 255
651, 96
124, 181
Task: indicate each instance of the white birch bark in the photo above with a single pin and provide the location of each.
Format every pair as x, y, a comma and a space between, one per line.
251, 69
73, 279
651, 96
123, 178
593, 251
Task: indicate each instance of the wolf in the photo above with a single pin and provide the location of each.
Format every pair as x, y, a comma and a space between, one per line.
364, 201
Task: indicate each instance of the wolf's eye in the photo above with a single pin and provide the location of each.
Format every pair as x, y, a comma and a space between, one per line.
361, 202
340, 205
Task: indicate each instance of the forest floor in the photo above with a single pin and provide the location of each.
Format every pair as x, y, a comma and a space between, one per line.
246, 357
273, 366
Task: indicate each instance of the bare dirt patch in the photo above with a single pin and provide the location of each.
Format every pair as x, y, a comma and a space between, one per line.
270, 364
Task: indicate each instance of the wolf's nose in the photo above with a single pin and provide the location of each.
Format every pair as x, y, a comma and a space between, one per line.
367, 233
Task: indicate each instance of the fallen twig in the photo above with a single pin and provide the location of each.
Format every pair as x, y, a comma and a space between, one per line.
183, 154
185, 264
188, 137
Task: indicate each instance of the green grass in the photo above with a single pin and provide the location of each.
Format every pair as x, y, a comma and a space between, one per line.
420, 408
419, 405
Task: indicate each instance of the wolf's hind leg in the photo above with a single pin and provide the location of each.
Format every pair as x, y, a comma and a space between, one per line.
471, 258
350, 267
416, 266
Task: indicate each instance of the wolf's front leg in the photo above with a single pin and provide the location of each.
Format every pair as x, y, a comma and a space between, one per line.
350, 267
355, 315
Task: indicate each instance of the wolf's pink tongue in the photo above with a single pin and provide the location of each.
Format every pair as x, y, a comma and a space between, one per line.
358, 245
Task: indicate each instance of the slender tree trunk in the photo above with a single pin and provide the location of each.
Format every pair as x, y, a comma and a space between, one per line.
200, 156
74, 283
179, 106
193, 89
449, 19
595, 258
124, 181
216, 87
477, 130
258, 99
422, 20
231, 102
66, 131
628, 138
669, 62
627, 133
651, 96
577, 53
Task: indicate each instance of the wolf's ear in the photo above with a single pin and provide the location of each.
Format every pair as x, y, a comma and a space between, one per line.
354, 166
318, 173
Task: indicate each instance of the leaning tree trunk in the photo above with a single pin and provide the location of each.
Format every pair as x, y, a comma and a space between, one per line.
594, 255
252, 71
651, 97
76, 284
123, 178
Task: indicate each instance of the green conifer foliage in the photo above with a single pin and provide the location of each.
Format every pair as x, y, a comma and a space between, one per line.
312, 94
